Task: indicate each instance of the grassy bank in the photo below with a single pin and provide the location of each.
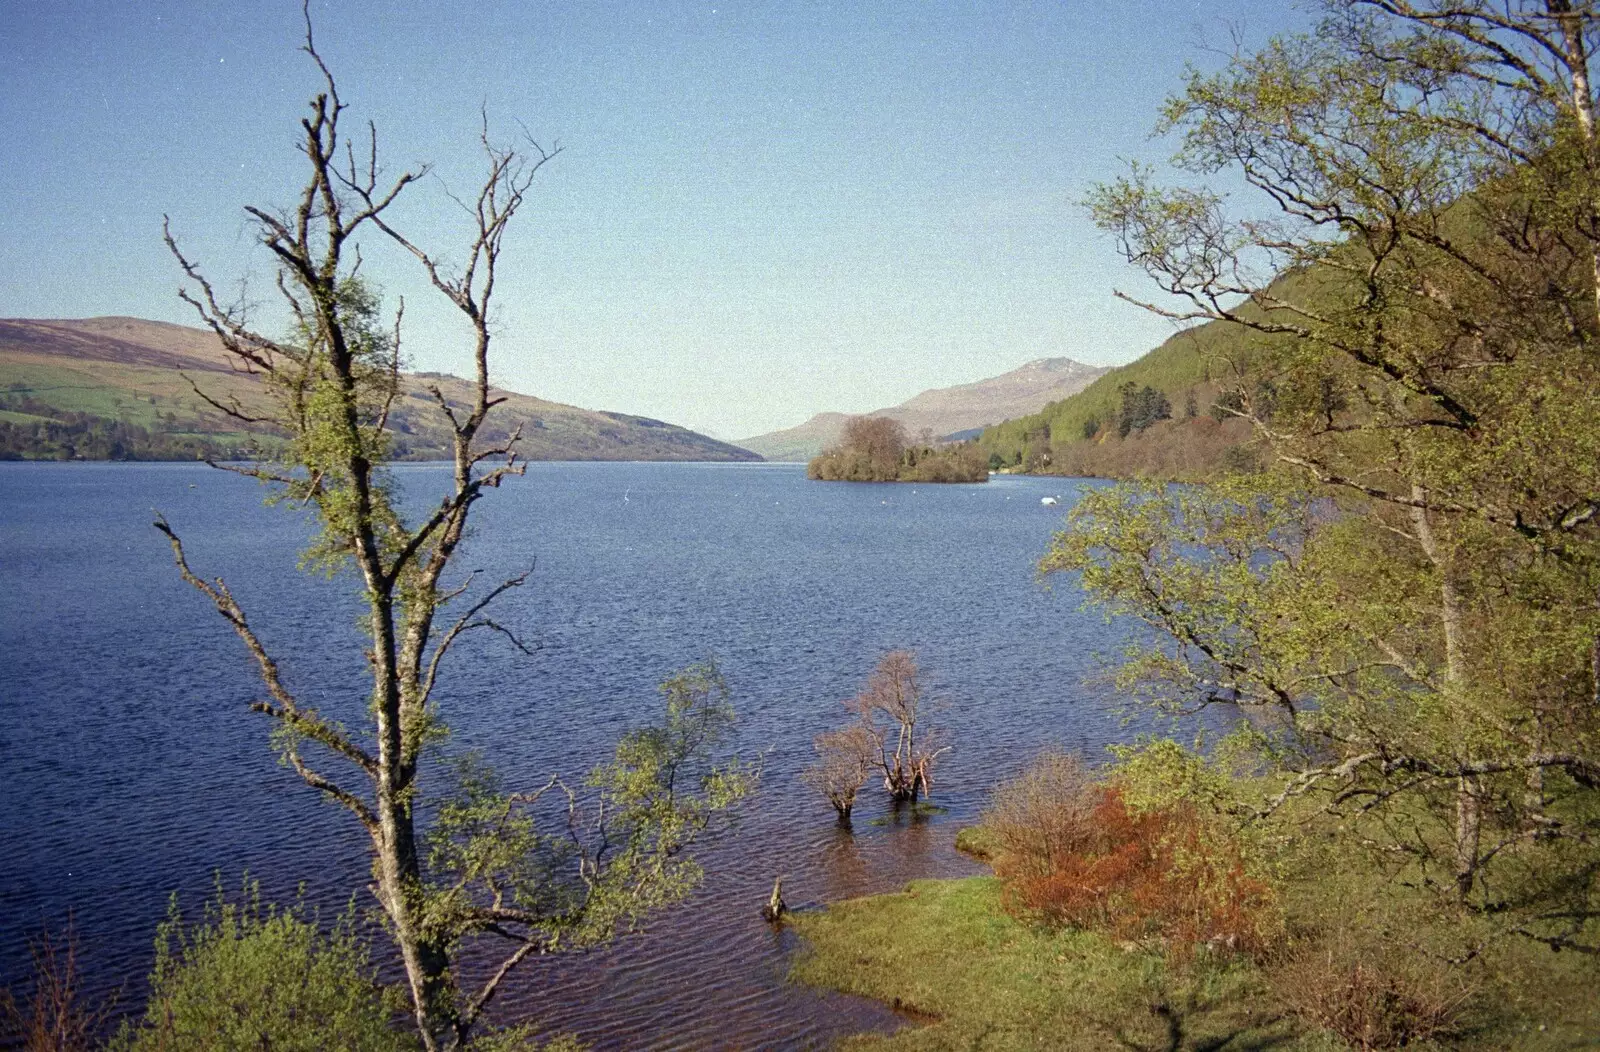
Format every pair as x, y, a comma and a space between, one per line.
970, 976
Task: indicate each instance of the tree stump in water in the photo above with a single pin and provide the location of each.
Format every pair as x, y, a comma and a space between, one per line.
774, 910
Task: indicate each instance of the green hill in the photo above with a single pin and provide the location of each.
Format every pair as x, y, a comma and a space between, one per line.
125, 389
1079, 434
1086, 433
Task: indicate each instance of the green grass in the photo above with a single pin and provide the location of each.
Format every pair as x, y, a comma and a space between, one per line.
967, 975
972, 977
1524, 997
23, 418
978, 841
130, 393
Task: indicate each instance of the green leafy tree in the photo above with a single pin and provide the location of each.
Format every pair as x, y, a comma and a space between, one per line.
1141, 407
1406, 608
1036, 454
485, 871
610, 850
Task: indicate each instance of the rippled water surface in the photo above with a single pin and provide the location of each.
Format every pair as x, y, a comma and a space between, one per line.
131, 767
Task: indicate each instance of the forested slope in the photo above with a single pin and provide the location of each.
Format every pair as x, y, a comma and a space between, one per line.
1166, 414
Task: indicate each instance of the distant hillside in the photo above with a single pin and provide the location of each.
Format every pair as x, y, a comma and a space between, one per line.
942, 411
800, 443
1079, 435
116, 387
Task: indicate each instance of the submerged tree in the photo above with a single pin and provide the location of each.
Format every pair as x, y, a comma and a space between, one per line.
894, 692
487, 868
844, 763
1406, 608
884, 738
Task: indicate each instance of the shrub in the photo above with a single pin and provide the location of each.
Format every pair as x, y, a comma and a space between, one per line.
253, 977
1369, 994
1042, 814
1074, 852
53, 1016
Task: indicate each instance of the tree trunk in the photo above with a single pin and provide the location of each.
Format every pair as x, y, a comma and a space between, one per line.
1469, 804
1469, 821
427, 964
1576, 55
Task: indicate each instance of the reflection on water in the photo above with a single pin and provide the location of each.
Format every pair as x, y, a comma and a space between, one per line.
133, 767
914, 837
844, 871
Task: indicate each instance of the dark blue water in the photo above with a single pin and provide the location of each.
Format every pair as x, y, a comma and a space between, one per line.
131, 767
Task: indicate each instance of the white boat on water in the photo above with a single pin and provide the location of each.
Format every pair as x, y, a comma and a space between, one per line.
1049, 501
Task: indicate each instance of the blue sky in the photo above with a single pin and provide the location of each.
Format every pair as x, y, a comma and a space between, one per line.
762, 210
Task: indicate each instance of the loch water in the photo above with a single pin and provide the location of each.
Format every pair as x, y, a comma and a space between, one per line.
131, 768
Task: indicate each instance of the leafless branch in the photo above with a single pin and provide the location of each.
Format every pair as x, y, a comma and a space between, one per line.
393, 388
466, 622
232, 408
287, 708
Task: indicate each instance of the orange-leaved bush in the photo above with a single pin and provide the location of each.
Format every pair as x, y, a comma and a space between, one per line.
1166, 873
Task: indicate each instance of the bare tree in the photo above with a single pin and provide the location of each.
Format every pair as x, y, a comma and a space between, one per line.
844, 763
485, 869
894, 690
54, 1016
870, 450
881, 439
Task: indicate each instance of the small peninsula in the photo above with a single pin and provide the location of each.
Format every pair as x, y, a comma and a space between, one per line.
876, 449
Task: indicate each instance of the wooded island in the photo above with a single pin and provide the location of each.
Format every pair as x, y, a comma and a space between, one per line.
876, 449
